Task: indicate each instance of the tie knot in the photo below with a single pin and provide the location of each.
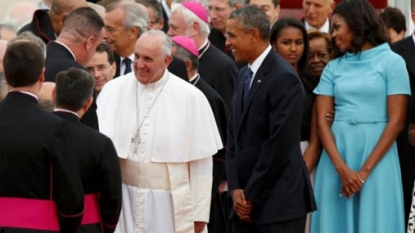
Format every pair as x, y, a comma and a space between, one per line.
127, 61
248, 76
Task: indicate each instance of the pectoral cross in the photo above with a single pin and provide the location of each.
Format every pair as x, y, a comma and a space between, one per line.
135, 141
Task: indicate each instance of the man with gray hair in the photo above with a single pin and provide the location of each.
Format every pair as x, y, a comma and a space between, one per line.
47, 24
316, 14
125, 22
82, 32
219, 71
165, 134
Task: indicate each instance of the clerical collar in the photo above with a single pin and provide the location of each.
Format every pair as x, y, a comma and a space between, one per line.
26, 92
325, 28
65, 110
204, 48
195, 79
158, 83
64, 45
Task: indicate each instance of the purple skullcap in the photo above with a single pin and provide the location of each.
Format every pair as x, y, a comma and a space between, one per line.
187, 43
198, 9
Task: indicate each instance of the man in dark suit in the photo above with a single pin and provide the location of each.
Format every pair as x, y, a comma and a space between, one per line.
47, 24
82, 32
125, 23
267, 177
215, 67
40, 185
98, 160
406, 48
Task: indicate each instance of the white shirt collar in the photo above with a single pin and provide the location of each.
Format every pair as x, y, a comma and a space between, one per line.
65, 110
166, 8
193, 78
27, 93
258, 62
122, 65
325, 28
73, 55
204, 44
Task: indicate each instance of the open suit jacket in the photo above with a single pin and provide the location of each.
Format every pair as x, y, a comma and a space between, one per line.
100, 171
36, 164
263, 148
406, 48
58, 59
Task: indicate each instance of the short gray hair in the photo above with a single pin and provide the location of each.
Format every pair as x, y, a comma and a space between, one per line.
29, 36
190, 18
251, 17
165, 40
184, 55
134, 15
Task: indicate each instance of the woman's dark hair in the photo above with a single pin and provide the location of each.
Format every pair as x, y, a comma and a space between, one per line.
364, 21
295, 23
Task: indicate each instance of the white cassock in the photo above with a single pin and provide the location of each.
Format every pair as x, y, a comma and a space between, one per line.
167, 177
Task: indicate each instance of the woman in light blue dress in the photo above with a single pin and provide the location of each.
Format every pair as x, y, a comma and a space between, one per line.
358, 182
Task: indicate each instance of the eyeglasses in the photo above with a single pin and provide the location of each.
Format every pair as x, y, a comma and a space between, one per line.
99, 68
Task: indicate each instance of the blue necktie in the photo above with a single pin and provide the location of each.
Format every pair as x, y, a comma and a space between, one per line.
127, 63
247, 83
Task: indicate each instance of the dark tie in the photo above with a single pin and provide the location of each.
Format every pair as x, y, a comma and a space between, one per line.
127, 63
247, 83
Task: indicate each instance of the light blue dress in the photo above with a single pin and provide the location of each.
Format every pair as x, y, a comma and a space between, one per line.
360, 85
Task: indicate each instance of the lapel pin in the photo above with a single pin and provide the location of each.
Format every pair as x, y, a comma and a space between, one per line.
259, 80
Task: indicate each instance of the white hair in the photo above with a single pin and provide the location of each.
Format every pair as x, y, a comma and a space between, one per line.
190, 18
135, 14
19, 15
165, 40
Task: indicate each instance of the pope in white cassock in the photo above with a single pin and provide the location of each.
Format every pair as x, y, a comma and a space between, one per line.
165, 135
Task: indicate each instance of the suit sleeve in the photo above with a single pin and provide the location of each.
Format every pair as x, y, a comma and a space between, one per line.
67, 184
231, 166
285, 112
110, 188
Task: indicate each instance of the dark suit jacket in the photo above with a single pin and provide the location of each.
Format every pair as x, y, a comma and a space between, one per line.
176, 67
34, 152
58, 59
219, 71
100, 170
263, 148
41, 26
166, 21
406, 49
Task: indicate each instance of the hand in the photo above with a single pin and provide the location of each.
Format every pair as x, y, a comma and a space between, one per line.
330, 117
199, 226
352, 181
223, 187
241, 206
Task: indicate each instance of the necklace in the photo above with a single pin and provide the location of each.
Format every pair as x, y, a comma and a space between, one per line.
137, 140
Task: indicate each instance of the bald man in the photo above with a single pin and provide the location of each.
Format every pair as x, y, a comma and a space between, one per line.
47, 24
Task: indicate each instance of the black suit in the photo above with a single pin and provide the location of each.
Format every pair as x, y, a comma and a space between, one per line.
166, 21
263, 148
176, 67
41, 26
218, 216
406, 49
58, 59
100, 171
219, 71
36, 163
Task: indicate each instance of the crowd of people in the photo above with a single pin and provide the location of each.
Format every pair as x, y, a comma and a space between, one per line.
220, 116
